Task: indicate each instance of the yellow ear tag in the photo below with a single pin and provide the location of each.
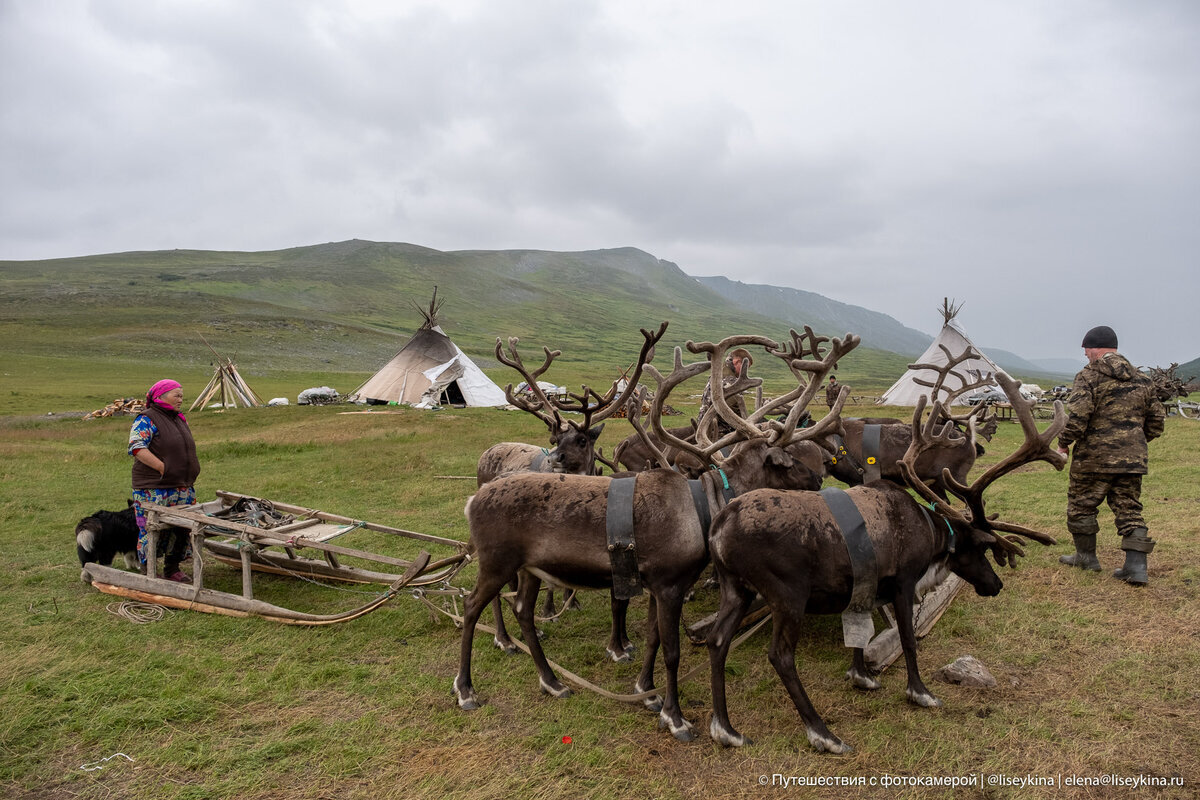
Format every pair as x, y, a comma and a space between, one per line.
834, 460
871, 460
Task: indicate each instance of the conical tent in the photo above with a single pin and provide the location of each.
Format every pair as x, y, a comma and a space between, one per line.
226, 387
906, 391
430, 370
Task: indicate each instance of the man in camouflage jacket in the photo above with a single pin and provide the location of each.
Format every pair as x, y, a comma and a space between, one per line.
1114, 412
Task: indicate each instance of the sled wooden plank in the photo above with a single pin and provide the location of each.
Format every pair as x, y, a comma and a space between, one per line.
886, 648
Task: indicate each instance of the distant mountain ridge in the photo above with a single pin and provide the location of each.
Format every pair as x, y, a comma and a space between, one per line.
876, 329
346, 305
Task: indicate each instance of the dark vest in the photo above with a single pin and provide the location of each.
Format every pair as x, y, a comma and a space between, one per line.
175, 446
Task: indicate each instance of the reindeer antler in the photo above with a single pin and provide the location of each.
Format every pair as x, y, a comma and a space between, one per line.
606, 405
547, 409
809, 374
810, 368
1036, 447
543, 409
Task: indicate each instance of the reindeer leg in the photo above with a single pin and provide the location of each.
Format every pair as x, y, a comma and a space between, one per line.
670, 608
527, 592
548, 606
860, 675
645, 681
502, 640
916, 692
571, 599
486, 589
783, 658
735, 602
619, 647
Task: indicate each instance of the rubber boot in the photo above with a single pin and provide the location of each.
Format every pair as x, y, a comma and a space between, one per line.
1137, 544
1084, 556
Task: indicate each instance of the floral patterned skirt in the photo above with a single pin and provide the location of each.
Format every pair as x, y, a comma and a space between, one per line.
161, 497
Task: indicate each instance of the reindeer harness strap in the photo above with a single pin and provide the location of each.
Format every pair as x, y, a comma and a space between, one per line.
840, 451
700, 501
870, 451
925, 509
857, 626
622, 550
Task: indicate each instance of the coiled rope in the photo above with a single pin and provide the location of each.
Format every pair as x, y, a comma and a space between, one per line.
138, 613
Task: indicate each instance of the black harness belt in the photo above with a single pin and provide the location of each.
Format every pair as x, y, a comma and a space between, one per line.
870, 451
700, 501
622, 549
857, 626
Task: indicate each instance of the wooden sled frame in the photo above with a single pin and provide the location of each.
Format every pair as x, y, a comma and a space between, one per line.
884, 647
257, 549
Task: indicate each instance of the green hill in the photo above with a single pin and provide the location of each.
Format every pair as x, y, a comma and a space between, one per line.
347, 307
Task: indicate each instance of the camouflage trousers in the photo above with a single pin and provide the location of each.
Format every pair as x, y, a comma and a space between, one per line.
1089, 489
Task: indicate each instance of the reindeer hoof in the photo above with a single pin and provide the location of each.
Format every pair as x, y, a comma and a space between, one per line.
862, 681
727, 737
467, 700
507, 647
823, 743
555, 689
620, 656
682, 730
923, 699
654, 703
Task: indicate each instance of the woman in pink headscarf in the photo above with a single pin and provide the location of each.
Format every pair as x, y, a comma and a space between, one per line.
165, 467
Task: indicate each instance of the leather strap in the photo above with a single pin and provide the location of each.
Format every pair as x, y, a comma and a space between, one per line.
870, 451
622, 549
858, 544
700, 500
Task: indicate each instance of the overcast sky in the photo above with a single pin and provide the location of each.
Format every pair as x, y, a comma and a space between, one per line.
1038, 161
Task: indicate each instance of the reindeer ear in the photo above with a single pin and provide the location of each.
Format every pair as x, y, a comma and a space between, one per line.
778, 457
594, 433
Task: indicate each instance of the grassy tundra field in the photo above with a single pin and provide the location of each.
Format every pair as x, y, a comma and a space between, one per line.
1097, 681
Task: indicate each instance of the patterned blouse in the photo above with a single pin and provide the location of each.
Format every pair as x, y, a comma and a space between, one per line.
141, 433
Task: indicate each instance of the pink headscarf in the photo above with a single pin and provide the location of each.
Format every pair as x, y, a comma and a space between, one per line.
158, 390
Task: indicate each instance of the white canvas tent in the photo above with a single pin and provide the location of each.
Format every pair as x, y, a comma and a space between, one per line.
430, 370
906, 391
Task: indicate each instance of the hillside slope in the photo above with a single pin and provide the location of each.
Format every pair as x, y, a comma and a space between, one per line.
348, 306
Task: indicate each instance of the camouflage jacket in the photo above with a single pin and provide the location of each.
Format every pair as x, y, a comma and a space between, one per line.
1114, 412
832, 391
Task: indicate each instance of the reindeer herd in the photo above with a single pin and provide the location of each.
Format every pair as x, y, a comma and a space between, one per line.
744, 494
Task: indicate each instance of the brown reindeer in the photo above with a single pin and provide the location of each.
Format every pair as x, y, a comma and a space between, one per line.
868, 450
794, 548
554, 527
573, 454
573, 442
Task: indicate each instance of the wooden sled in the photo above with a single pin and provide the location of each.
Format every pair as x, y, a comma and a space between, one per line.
274, 550
884, 647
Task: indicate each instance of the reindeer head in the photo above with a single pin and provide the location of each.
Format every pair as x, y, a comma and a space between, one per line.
574, 442
759, 452
972, 532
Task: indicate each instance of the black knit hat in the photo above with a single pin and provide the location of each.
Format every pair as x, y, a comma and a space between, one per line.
1100, 336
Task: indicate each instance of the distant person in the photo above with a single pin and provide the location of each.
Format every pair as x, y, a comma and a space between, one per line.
832, 390
165, 467
737, 360
1114, 412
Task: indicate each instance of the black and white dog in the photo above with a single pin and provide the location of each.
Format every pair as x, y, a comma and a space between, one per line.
104, 534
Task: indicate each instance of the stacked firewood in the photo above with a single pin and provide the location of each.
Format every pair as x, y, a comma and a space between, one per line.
623, 411
122, 406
